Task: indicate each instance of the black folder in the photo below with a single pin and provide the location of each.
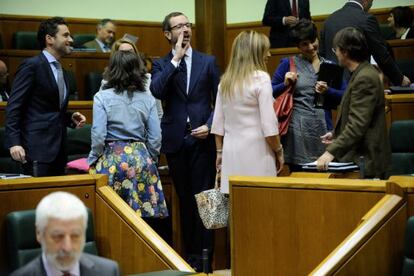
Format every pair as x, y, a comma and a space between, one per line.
331, 73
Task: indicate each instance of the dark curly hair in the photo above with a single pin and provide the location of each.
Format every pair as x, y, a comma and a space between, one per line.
126, 71
303, 30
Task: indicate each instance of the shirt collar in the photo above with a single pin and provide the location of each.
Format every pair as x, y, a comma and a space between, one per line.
101, 44
50, 58
356, 2
404, 35
51, 271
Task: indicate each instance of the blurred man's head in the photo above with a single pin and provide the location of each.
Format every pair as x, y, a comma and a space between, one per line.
3, 73
106, 30
61, 220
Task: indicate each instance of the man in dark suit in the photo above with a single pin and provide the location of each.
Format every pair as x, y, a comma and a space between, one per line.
36, 114
280, 15
4, 92
105, 36
61, 221
187, 81
355, 14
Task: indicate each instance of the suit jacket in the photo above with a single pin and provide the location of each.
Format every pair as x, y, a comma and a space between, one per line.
273, 16
34, 118
89, 265
93, 44
196, 105
360, 129
352, 15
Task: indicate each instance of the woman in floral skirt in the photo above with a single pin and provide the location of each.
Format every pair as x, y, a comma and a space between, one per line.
126, 136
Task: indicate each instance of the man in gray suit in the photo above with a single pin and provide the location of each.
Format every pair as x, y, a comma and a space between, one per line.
61, 220
105, 36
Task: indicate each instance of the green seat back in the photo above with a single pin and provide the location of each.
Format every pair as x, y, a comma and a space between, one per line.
22, 245
7, 164
93, 84
402, 147
78, 142
80, 39
25, 40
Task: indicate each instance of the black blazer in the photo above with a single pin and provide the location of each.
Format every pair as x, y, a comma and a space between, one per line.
34, 118
352, 15
273, 16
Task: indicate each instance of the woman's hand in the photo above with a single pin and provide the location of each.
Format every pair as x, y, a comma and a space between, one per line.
322, 163
290, 78
280, 159
321, 87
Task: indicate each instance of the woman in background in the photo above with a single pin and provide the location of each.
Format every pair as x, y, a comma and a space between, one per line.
126, 135
401, 20
124, 44
244, 121
302, 141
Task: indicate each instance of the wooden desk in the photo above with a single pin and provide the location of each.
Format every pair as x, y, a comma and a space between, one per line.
399, 107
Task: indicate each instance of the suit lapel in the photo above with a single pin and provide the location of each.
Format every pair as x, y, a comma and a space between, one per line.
196, 68
86, 266
167, 60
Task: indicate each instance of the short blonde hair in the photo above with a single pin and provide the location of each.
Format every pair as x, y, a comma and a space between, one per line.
117, 44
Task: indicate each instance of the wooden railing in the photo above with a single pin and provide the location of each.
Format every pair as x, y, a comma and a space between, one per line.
119, 232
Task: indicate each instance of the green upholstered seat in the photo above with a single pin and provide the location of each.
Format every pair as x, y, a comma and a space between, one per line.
25, 40
402, 147
80, 39
22, 245
93, 83
408, 262
7, 165
78, 142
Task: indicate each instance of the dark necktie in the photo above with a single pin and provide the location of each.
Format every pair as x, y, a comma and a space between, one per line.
60, 82
182, 75
294, 9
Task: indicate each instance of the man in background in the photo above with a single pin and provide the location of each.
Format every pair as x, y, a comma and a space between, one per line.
187, 81
280, 15
355, 14
36, 113
61, 221
4, 91
105, 36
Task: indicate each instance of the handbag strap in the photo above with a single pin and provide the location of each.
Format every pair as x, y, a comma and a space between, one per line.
292, 64
217, 183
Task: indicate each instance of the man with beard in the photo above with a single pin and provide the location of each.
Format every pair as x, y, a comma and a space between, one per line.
36, 114
186, 81
105, 36
61, 220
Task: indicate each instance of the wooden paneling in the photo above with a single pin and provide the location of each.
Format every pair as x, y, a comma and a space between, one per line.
375, 247
120, 233
399, 107
25, 194
286, 226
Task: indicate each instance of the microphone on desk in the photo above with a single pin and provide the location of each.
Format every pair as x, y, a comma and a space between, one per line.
35, 168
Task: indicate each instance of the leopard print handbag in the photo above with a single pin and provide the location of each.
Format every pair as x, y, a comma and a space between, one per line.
213, 207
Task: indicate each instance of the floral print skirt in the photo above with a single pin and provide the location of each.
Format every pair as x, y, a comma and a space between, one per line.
134, 176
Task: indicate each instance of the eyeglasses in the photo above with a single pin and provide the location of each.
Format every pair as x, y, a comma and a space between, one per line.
180, 26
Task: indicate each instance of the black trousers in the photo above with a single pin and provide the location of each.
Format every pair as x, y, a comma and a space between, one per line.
192, 169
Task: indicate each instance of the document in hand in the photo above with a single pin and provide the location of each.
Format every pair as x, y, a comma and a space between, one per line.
333, 167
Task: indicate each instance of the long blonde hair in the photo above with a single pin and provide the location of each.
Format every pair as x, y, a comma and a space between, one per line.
247, 55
